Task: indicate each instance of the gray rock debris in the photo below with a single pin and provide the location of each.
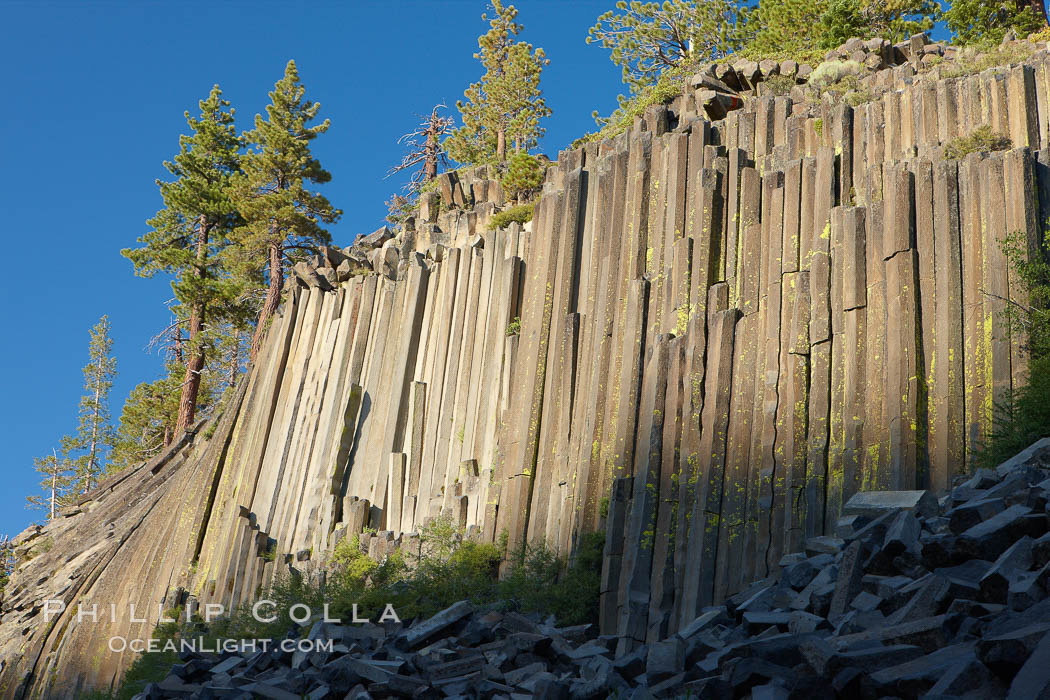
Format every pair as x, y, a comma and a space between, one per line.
919, 599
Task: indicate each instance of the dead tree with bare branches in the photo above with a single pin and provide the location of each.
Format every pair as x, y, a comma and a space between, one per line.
425, 150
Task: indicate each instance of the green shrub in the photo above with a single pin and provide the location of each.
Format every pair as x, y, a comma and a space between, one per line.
1032, 267
986, 22
428, 186
862, 94
514, 327
147, 668
848, 89
778, 85
400, 208
349, 560
830, 72
1021, 419
524, 176
983, 139
521, 213
801, 54
1024, 416
539, 582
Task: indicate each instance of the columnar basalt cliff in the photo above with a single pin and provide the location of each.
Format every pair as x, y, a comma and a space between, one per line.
730, 323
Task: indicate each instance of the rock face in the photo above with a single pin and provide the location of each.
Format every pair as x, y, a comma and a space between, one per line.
727, 330
871, 614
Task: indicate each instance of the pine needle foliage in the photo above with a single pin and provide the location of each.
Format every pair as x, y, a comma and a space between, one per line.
56, 482
7, 563
986, 22
506, 105
189, 235
804, 29
283, 217
524, 177
197, 200
94, 435
150, 414
800, 28
647, 38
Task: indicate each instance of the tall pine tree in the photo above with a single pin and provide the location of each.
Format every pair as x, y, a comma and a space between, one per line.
506, 105
189, 235
282, 216
94, 435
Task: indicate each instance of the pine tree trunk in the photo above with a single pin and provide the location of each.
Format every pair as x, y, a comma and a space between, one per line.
192, 382
234, 365
273, 295
94, 426
431, 167
54, 487
1037, 6
501, 145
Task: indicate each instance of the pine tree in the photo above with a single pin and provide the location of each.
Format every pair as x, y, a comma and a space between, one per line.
895, 20
231, 355
94, 436
787, 26
520, 98
524, 177
7, 563
986, 22
150, 414
282, 216
56, 484
189, 235
796, 27
506, 105
647, 38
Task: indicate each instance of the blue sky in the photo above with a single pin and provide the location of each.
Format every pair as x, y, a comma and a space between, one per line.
95, 98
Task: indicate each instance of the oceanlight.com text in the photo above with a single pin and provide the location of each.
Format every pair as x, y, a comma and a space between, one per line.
200, 645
